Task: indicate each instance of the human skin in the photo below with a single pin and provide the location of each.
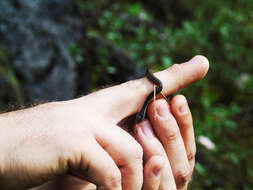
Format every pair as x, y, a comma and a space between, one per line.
82, 137
161, 171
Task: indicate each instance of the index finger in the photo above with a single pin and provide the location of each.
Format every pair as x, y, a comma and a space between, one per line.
126, 99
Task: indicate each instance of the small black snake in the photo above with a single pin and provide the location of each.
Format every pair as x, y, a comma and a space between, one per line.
159, 87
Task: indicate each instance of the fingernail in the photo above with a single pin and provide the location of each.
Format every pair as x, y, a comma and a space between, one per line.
147, 129
163, 110
183, 109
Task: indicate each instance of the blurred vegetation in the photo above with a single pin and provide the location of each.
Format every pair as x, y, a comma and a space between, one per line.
162, 32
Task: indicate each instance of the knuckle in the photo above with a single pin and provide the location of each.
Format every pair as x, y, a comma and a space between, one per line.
113, 178
134, 85
182, 177
172, 134
187, 122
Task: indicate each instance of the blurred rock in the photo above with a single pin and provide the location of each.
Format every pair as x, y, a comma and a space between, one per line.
39, 33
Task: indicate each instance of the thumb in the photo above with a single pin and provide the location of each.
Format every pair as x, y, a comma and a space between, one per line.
123, 100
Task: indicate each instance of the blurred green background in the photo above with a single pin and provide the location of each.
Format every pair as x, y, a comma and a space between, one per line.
159, 33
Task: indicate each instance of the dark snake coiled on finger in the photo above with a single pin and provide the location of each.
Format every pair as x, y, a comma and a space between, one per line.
159, 87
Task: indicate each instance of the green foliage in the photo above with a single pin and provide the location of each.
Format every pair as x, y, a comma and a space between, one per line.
222, 104
160, 33
77, 53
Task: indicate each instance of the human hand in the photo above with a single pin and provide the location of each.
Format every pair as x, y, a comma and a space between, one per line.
169, 135
81, 136
168, 151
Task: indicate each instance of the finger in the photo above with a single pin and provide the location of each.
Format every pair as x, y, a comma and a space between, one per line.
127, 98
168, 132
152, 147
98, 167
126, 152
152, 173
182, 113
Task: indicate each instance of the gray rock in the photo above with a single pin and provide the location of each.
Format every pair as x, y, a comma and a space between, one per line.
39, 34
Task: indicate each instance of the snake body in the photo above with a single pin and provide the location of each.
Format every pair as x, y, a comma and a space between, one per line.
159, 87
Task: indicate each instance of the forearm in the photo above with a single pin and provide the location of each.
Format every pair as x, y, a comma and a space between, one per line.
25, 141
17, 126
